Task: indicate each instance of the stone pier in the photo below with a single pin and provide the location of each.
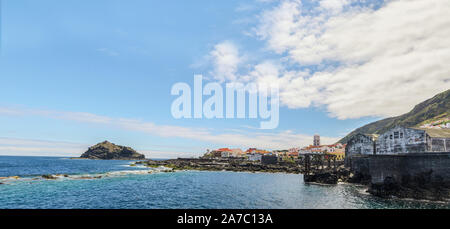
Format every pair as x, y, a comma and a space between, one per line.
415, 175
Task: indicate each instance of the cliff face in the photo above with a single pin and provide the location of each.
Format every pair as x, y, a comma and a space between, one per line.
109, 151
432, 109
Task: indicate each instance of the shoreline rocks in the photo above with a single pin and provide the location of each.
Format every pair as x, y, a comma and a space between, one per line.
233, 165
11, 177
321, 178
422, 190
109, 151
331, 176
49, 177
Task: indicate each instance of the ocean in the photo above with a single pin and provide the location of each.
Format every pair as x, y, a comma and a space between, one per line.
126, 187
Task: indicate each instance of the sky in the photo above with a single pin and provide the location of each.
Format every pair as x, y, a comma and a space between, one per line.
74, 73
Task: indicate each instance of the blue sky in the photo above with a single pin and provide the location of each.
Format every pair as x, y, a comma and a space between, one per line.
73, 73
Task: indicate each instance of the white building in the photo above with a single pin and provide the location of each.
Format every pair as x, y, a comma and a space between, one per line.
254, 157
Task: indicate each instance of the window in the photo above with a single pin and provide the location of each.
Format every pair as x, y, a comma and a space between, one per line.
396, 135
391, 137
401, 135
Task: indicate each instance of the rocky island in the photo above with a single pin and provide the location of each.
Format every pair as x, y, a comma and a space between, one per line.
109, 151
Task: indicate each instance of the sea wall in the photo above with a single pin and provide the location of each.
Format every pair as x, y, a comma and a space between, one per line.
401, 167
360, 168
416, 175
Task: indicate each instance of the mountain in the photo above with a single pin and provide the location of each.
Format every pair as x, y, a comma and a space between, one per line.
109, 151
433, 109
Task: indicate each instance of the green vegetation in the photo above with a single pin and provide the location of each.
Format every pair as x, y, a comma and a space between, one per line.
289, 160
433, 109
172, 166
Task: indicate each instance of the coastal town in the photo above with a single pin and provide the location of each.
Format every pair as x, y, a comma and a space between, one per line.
293, 160
288, 155
224, 113
432, 137
406, 162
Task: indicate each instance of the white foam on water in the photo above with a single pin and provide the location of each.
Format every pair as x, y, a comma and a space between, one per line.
135, 166
95, 176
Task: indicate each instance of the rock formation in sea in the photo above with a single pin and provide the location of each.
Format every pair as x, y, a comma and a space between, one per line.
109, 151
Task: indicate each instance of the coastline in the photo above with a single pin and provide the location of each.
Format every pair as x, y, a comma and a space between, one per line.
362, 188
223, 165
345, 177
317, 175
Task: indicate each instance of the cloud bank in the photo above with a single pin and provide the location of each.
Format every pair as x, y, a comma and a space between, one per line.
355, 58
235, 138
28, 147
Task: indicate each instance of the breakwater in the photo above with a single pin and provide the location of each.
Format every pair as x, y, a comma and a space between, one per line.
417, 175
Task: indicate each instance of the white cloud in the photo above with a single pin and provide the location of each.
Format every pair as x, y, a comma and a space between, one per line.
28, 147
229, 138
333, 6
372, 62
168, 154
226, 60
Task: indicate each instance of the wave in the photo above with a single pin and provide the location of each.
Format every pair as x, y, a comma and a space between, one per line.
93, 176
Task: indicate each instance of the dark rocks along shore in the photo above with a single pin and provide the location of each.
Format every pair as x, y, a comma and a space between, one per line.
235, 165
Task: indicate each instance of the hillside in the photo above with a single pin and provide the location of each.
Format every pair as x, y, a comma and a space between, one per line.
433, 109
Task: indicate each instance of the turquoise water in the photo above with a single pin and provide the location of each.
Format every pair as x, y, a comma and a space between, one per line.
125, 187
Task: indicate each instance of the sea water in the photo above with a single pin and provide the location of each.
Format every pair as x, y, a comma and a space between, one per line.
126, 187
